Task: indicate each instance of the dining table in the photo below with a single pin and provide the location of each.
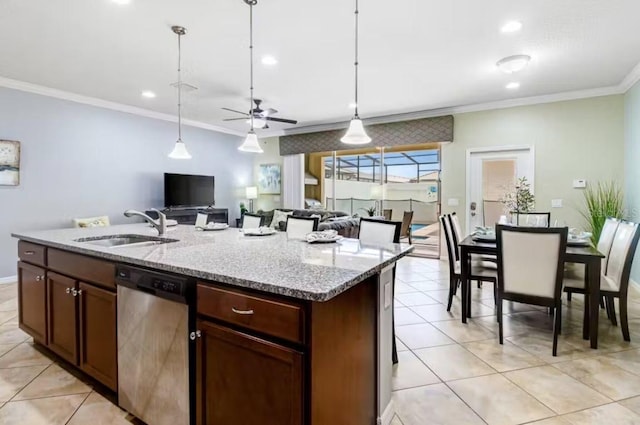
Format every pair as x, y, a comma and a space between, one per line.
587, 255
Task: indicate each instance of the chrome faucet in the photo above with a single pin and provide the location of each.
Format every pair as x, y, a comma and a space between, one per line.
160, 225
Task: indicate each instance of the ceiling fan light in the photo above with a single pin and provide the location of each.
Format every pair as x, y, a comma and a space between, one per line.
514, 63
180, 151
258, 122
355, 134
251, 144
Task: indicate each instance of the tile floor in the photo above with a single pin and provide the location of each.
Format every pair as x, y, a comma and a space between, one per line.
449, 373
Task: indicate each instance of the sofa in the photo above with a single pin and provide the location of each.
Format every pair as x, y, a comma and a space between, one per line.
340, 221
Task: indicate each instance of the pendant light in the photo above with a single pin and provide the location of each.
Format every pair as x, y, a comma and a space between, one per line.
355, 134
251, 142
180, 149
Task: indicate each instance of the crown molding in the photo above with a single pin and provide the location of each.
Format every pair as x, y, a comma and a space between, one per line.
631, 79
431, 113
100, 103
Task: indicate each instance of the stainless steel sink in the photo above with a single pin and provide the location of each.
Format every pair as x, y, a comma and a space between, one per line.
115, 241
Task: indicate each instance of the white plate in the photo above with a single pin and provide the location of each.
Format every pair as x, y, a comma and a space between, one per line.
254, 232
491, 237
579, 242
207, 229
332, 240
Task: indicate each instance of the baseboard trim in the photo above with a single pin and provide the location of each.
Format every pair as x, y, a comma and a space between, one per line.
387, 415
8, 279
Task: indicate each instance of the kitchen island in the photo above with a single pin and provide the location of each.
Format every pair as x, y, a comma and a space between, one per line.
286, 333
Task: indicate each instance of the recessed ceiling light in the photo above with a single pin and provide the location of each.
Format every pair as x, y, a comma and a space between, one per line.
269, 60
148, 94
514, 63
511, 26
513, 85
121, 1
352, 105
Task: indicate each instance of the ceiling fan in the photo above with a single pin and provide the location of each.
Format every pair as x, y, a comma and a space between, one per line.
260, 116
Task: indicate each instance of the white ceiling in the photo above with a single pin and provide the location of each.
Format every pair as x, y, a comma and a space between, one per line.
415, 54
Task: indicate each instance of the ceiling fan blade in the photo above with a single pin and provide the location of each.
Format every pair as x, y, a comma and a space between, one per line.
234, 119
237, 112
284, 120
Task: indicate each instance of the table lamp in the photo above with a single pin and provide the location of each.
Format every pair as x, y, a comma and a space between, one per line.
252, 193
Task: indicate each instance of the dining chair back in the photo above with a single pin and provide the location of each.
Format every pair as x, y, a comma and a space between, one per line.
387, 214
405, 230
605, 241
621, 255
300, 227
451, 246
456, 232
374, 231
252, 221
533, 219
531, 269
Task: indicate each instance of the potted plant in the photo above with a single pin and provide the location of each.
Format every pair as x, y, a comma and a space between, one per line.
243, 209
521, 200
371, 211
601, 201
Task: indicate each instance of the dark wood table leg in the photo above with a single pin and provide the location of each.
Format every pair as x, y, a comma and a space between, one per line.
593, 271
464, 277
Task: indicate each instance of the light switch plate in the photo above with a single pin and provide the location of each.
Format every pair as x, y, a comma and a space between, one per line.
579, 183
387, 295
556, 203
453, 202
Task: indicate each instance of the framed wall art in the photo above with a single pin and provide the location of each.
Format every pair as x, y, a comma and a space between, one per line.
9, 163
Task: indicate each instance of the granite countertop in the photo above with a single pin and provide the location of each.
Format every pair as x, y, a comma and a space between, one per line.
294, 268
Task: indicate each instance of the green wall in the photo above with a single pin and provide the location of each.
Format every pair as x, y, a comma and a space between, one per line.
632, 162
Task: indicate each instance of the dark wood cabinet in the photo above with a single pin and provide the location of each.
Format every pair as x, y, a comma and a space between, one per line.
62, 307
32, 300
244, 379
98, 346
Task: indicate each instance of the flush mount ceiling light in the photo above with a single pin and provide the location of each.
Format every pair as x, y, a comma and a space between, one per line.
512, 86
514, 63
251, 142
269, 60
355, 133
148, 94
180, 149
511, 26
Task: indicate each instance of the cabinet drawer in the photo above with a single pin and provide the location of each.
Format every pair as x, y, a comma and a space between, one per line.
84, 268
32, 253
275, 318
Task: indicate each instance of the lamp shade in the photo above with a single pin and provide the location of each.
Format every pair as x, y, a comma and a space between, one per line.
180, 151
356, 134
251, 144
252, 192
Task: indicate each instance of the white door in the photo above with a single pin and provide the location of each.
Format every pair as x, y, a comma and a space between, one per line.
491, 173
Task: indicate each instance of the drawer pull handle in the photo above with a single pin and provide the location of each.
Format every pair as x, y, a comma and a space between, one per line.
68, 290
243, 312
29, 252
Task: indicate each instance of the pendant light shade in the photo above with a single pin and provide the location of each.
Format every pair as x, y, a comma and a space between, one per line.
251, 144
180, 149
355, 134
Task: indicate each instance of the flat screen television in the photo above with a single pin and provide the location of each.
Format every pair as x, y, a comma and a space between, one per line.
185, 190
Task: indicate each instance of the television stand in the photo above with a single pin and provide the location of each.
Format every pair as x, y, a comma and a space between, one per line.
187, 215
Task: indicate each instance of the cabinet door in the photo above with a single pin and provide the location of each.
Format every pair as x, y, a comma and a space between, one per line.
32, 301
243, 379
97, 319
62, 304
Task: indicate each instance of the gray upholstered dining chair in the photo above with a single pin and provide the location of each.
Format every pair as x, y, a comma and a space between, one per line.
252, 221
530, 270
615, 281
574, 280
478, 271
377, 232
300, 227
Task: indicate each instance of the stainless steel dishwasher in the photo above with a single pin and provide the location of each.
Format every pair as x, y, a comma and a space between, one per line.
156, 348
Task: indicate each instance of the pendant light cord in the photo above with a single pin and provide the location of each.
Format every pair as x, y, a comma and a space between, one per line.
251, 3
179, 89
356, 61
